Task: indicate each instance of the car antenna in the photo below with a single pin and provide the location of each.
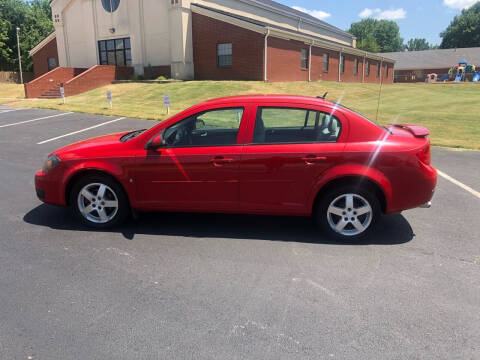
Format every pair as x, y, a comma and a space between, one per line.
379, 98
323, 96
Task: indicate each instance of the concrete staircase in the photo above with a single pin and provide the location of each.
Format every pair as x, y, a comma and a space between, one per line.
53, 93
75, 80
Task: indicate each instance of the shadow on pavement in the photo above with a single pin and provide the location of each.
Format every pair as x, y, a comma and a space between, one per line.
393, 229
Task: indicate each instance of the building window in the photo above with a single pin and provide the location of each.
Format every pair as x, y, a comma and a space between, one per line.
110, 5
378, 69
386, 70
368, 68
326, 59
224, 55
304, 59
115, 52
342, 64
355, 67
52, 63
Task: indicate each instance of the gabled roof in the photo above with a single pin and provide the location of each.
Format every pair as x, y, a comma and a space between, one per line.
301, 14
433, 59
42, 43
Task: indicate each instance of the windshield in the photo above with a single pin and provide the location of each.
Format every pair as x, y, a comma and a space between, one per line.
131, 135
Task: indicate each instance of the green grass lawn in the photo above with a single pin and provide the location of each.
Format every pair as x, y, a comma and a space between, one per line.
10, 92
450, 111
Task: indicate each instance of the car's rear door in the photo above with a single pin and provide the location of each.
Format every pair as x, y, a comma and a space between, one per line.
197, 169
290, 147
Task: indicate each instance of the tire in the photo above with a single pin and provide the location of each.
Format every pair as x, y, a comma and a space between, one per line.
340, 220
90, 199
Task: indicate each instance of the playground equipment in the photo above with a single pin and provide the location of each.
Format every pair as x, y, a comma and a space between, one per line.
463, 72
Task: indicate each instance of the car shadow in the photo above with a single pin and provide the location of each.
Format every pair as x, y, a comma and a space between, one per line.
392, 230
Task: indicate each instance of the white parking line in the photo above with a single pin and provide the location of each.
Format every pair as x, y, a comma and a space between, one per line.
6, 110
458, 183
79, 131
32, 120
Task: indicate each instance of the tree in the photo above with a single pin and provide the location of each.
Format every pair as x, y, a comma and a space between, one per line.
35, 22
377, 35
464, 30
417, 44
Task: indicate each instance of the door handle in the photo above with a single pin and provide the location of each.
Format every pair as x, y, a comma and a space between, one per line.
313, 159
220, 161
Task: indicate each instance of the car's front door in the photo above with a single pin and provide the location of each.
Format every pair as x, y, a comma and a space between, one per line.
291, 147
197, 168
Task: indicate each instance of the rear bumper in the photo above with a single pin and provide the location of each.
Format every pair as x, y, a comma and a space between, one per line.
417, 192
48, 189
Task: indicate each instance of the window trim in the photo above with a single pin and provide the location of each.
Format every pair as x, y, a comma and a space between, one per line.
355, 66
114, 51
325, 64
162, 132
304, 51
367, 70
218, 55
379, 69
342, 64
297, 142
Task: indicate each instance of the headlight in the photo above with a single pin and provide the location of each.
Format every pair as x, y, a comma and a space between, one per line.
51, 162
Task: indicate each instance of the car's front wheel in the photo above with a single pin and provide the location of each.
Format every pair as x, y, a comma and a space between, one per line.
348, 213
98, 201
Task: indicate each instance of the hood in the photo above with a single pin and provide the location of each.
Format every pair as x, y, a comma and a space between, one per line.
101, 146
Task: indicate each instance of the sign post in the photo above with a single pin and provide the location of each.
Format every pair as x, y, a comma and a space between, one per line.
166, 103
109, 98
62, 94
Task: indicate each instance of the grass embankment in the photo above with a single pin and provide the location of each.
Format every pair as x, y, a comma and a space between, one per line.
10, 92
450, 111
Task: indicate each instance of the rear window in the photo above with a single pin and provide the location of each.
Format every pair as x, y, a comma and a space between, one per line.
277, 125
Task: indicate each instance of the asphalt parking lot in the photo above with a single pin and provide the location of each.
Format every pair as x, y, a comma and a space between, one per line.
187, 286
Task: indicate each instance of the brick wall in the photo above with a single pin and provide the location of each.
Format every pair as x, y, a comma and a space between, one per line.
317, 65
284, 60
247, 50
418, 75
96, 76
40, 58
50, 80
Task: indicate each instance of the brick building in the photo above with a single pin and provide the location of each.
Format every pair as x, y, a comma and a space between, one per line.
205, 39
414, 66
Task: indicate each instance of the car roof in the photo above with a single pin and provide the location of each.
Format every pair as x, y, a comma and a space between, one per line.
269, 98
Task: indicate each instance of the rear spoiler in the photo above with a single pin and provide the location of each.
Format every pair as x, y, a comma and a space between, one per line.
417, 131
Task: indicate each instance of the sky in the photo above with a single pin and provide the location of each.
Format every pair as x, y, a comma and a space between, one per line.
416, 18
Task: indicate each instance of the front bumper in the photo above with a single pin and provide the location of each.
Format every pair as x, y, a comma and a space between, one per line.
48, 189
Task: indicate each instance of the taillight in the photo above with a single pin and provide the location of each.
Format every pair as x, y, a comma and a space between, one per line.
424, 155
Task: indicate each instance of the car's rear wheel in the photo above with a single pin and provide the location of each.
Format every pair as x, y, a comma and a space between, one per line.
348, 213
99, 201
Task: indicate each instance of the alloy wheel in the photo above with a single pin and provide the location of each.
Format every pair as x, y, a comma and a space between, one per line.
97, 203
349, 214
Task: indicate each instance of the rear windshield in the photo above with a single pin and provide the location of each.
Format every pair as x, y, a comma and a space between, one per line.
364, 117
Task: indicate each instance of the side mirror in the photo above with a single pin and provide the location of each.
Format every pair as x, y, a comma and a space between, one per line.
155, 143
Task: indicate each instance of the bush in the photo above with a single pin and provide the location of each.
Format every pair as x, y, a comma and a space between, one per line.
161, 78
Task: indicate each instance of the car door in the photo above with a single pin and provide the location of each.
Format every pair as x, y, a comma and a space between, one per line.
290, 148
197, 168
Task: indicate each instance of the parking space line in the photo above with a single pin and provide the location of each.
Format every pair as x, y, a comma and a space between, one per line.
80, 131
5, 110
458, 183
37, 119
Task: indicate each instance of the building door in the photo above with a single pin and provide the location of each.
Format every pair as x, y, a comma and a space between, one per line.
116, 52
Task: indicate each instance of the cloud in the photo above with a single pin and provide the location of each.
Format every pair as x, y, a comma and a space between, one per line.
459, 4
392, 14
319, 14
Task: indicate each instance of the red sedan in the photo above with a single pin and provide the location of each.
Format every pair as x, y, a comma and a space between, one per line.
284, 155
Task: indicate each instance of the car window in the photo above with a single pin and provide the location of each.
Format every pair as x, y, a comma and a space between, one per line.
210, 128
275, 125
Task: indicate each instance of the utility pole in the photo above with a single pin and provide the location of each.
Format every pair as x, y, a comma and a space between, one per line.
19, 56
